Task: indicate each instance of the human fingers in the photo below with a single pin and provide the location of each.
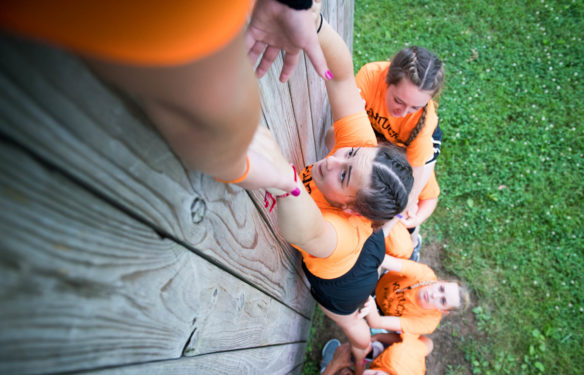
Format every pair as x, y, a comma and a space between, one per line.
255, 50
268, 58
364, 311
316, 57
290, 61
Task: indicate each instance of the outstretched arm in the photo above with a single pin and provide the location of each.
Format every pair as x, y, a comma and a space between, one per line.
299, 218
342, 90
390, 323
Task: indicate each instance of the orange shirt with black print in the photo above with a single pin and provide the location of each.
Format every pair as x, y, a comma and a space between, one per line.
407, 357
393, 300
352, 230
132, 32
371, 81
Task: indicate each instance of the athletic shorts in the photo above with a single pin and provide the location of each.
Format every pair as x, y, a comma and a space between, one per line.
343, 295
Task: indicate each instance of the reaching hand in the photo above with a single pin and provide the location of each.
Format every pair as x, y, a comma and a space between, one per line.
268, 168
274, 27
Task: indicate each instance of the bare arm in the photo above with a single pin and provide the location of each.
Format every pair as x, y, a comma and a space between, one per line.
299, 218
425, 208
421, 176
390, 323
342, 90
207, 110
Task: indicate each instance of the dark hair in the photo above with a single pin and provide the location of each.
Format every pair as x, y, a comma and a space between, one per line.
423, 69
390, 186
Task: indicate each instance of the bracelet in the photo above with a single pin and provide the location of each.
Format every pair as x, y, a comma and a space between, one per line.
239, 179
273, 200
320, 25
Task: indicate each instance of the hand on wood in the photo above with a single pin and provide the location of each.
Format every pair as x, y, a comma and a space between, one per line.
274, 27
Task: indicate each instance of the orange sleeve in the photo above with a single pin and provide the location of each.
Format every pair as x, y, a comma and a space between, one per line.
133, 32
421, 324
366, 81
352, 232
398, 242
431, 189
354, 130
417, 271
406, 357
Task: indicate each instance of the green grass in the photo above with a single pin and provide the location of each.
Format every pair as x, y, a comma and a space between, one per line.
511, 169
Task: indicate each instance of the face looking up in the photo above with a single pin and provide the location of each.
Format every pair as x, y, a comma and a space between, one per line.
405, 98
440, 295
341, 175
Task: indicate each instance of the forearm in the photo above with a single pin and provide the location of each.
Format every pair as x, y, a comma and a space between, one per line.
421, 175
207, 110
390, 323
336, 53
425, 209
342, 90
392, 264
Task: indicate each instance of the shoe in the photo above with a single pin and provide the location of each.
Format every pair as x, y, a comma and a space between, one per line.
328, 351
416, 253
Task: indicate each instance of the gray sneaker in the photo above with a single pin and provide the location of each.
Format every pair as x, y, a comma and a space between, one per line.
328, 351
416, 253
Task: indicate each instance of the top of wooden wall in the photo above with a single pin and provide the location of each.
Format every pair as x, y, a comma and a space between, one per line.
114, 257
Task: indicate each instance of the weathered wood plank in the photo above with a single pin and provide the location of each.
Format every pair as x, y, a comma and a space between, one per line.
277, 360
51, 104
86, 286
278, 113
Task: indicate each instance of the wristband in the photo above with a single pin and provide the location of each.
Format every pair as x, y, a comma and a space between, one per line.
239, 179
269, 195
297, 4
320, 25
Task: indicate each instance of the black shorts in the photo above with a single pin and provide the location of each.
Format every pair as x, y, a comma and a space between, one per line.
346, 293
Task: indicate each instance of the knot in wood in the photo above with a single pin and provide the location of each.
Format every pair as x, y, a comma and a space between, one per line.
198, 210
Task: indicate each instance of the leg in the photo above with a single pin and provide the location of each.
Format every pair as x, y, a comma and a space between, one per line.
357, 331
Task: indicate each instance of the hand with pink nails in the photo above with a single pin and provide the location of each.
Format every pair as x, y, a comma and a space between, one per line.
269, 169
275, 26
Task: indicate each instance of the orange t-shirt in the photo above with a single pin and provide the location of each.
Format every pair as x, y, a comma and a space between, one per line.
133, 32
398, 242
407, 357
392, 301
352, 230
431, 190
371, 81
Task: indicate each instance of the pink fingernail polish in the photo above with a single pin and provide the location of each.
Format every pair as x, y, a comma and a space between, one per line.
328, 74
295, 192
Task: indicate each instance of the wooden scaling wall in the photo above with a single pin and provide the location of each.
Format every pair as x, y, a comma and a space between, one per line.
114, 258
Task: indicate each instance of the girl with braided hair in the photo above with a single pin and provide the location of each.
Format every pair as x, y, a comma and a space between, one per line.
411, 299
398, 96
343, 197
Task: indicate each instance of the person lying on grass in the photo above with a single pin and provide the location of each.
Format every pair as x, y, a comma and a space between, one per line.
411, 298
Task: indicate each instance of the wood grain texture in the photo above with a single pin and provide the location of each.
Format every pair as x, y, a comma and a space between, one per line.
276, 360
54, 107
85, 286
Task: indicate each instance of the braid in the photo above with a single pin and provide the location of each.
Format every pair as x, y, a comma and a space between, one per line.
390, 186
418, 128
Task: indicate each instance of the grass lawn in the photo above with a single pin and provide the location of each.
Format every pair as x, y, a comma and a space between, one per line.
511, 212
